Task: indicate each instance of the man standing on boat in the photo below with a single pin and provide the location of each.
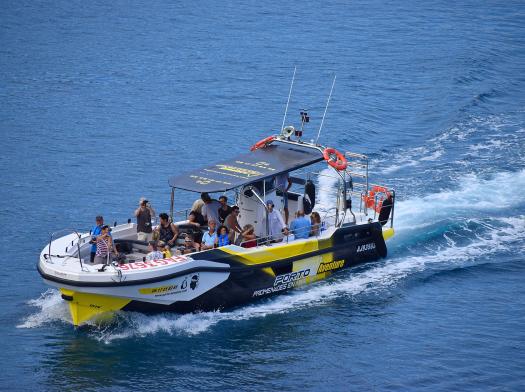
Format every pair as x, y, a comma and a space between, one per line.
210, 209
224, 209
144, 214
275, 222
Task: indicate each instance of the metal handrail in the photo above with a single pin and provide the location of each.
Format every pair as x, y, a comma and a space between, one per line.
271, 239
53, 236
185, 211
377, 201
78, 246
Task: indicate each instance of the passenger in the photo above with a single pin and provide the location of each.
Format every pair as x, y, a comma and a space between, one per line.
154, 252
197, 209
95, 231
197, 206
165, 249
283, 183
190, 245
210, 209
167, 231
301, 226
288, 235
144, 214
315, 220
192, 219
104, 246
209, 239
233, 224
223, 236
275, 222
248, 238
224, 210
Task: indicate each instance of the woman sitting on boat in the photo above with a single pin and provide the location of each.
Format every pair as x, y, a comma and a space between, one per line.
315, 218
192, 219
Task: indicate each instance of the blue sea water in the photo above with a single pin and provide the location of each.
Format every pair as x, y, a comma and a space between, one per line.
100, 102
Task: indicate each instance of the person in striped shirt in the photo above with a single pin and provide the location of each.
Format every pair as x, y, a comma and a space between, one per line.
105, 246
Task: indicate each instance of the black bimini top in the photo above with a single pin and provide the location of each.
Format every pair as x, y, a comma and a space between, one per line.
247, 168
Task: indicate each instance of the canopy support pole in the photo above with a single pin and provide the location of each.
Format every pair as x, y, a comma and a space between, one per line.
172, 203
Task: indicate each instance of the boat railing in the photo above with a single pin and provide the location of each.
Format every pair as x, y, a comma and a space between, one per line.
72, 248
378, 205
75, 244
268, 240
183, 214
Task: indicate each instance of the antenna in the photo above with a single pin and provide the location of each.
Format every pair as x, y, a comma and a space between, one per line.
325, 109
289, 95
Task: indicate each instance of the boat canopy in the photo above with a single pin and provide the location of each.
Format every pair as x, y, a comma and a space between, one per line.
248, 168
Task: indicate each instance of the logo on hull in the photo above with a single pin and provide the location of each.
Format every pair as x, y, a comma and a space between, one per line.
187, 283
283, 282
324, 267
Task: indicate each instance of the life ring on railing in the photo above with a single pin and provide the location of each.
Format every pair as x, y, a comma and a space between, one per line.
370, 198
338, 164
262, 143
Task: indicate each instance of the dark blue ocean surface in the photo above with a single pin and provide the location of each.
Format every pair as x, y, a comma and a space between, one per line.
100, 102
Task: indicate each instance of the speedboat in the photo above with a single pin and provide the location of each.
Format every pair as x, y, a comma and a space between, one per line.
353, 231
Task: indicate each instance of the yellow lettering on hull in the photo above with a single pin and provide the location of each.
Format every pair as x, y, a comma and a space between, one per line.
324, 267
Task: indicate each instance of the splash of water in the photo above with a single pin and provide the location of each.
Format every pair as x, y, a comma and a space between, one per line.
474, 196
504, 235
51, 308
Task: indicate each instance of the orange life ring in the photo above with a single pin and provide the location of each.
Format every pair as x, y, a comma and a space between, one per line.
262, 143
340, 163
370, 198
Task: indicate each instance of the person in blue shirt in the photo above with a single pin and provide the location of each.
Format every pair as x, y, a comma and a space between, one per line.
210, 238
95, 232
222, 238
301, 226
